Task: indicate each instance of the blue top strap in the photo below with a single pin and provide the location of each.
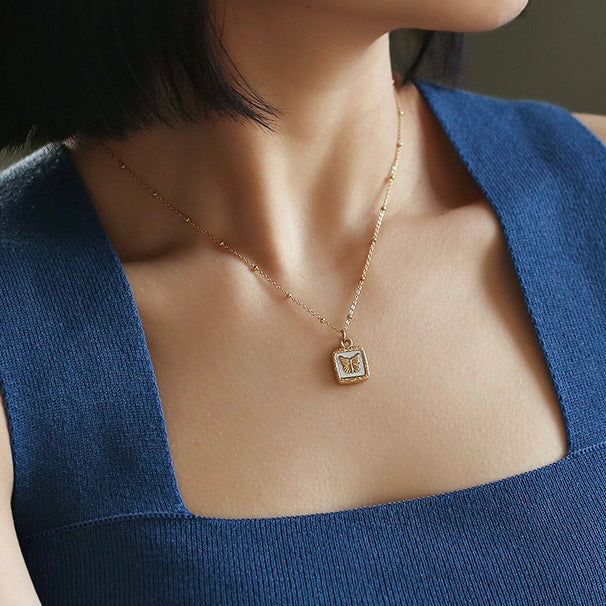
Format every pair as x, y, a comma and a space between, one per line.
544, 173
87, 437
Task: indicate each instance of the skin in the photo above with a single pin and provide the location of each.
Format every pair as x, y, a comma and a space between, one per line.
271, 433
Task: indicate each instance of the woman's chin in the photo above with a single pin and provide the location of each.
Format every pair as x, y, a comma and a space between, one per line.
465, 16
493, 14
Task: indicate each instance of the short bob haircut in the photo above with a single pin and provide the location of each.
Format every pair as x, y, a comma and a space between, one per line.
81, 69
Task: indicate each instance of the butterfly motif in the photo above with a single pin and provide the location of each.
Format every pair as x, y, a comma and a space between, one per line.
350, 365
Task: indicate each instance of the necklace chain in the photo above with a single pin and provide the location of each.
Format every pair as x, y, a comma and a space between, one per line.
255, 267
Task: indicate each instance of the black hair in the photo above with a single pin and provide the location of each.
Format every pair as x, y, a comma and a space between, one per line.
72, 68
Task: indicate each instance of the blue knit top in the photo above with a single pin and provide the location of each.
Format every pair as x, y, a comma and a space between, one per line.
96, 505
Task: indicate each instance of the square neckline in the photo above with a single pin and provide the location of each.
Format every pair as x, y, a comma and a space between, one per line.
167, 471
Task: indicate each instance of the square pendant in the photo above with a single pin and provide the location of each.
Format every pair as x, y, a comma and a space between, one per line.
350, 364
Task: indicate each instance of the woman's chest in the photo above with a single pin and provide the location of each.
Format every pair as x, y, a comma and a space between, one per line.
459, 392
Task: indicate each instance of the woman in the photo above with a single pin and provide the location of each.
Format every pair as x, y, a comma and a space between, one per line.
366, 376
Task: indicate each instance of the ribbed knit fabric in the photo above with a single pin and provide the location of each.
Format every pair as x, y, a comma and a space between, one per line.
96, 504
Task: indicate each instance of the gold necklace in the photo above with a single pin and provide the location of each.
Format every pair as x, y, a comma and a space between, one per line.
349, 361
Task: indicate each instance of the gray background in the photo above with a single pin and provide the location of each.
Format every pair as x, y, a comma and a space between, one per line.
554, 51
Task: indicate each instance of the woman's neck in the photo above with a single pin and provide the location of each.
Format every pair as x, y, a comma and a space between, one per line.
314, 183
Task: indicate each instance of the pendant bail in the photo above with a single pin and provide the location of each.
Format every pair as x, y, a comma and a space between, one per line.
345, 340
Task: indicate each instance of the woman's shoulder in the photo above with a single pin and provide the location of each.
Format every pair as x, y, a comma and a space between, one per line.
596, 123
